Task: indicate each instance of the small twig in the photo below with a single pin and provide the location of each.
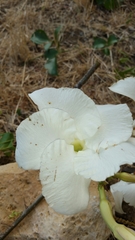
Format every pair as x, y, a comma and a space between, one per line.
23, 215
111, 57
87, 75
34, 204
17, 106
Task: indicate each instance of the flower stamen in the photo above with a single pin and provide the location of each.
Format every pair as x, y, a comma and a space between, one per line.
78, 145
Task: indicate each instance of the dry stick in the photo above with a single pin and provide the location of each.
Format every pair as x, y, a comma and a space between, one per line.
87, 75
23, 215
34, 204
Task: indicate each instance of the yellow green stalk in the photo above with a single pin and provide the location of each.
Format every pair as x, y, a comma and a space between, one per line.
120, 231
126, 177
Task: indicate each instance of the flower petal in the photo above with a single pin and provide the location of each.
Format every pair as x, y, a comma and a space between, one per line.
64, 191
118, 196
36, 132
125, 87
73, 101
117, 126
126, 191
100, 165
129, 193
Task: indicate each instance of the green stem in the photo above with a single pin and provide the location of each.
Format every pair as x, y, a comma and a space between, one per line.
105, 208
126, 177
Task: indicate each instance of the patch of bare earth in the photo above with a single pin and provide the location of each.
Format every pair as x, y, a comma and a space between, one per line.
22, 66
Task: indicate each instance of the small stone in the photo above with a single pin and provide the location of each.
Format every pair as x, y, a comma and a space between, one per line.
19, 188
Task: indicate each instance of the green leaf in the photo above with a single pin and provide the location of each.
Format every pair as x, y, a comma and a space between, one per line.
51, 53
39, 37
99, 43
56, 34
19, 112
111, 40
14, 214
51, 66
100, 2
124, 60
6, 142
47, 46
109, 4
112, 4
127, 72
106, 51
6, 137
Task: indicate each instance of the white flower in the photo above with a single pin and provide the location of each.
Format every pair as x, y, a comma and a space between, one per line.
72, 140
125, 87
123, 191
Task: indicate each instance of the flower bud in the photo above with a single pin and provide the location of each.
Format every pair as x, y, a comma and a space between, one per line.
123, 233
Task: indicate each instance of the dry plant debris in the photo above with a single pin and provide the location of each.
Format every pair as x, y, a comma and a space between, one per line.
22, 67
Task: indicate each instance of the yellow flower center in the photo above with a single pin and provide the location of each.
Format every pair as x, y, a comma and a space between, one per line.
78, 145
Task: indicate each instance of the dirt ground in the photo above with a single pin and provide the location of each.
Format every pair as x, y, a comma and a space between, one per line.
22, 66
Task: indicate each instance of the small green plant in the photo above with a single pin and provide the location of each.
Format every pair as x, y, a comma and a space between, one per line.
7, 143
128, 71
14, 214
109, 4
127, 68
50, 53
19, 112
100, 43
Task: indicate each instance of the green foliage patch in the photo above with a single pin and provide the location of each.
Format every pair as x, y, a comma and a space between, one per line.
7, 143
100, 43
109, 4
50, 53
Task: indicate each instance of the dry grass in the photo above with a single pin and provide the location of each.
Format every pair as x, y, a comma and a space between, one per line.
22, 69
